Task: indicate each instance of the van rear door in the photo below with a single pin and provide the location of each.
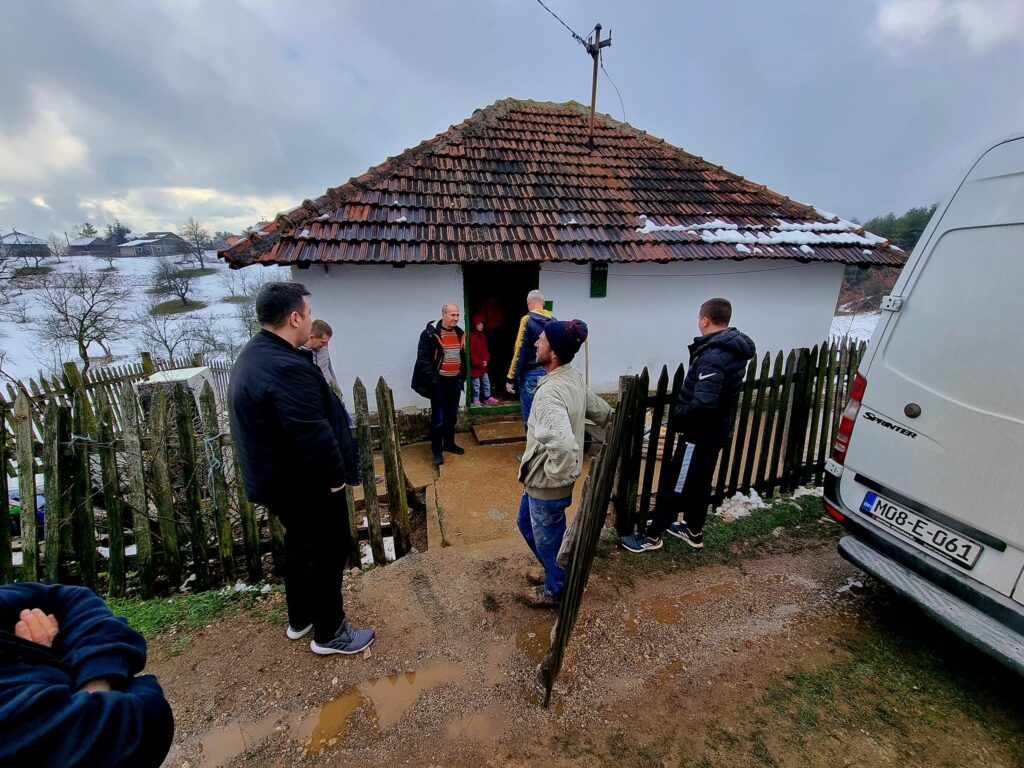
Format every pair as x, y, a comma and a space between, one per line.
954, 352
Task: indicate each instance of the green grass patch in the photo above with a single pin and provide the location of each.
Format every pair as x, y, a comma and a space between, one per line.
197, 272
32, 271
236, 299
899, 682
156, 290
150, 617
723, 541
175, 307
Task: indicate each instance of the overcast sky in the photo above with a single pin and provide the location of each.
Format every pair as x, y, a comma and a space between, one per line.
233, 110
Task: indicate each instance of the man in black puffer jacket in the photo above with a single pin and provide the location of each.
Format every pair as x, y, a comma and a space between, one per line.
703, 417
296, 454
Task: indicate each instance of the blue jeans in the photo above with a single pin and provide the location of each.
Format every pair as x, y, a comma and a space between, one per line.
444, 412
542, 523
527, 389
485, 382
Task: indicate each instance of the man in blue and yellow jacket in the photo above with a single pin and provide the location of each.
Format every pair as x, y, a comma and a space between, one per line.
525, 371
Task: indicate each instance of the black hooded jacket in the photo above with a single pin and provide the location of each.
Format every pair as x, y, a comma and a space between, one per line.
429, 354
290, 429
718, 362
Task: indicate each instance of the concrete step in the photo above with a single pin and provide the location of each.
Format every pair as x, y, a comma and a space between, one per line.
497, 432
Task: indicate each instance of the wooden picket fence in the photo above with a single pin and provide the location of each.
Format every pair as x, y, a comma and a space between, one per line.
159, 481
786, 418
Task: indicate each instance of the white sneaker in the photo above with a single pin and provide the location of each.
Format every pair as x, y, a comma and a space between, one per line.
298, 634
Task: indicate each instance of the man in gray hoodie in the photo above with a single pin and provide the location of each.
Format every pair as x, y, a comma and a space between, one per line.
553, 458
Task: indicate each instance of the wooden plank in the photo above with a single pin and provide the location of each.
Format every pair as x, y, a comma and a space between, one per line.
250, 525
636, 447
362, 418
6, 563
163, 490
84, 515
813, 452
24, 442
111, 499
796, 438
657, 419
277, 555
824, 439
394, 477
192, 479
52, 490
742, 430
216, 480
669, 444
771, 403
135, 473
777, 459
625, 515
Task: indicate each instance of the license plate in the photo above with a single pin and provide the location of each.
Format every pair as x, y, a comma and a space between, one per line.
944, 542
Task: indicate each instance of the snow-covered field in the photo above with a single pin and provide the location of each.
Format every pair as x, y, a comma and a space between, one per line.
858, 326
26, 353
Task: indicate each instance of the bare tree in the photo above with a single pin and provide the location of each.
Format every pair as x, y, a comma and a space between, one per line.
58, 246
171, 280
170, 336
198, 238
82, 308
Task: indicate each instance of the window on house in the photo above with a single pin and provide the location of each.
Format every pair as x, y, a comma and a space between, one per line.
598, 281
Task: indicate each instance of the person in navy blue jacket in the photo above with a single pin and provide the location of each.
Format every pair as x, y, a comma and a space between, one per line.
703, 417
69, 690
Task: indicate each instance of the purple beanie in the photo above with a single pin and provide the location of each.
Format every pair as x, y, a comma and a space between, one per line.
565, 337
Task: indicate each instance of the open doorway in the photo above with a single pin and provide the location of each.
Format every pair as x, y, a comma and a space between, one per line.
497, 293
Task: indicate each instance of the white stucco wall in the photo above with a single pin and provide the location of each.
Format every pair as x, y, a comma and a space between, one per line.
650, 313
377, 314
647, 319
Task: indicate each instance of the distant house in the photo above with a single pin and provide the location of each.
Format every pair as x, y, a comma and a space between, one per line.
18, 245
626, 231
153, 244
92, 246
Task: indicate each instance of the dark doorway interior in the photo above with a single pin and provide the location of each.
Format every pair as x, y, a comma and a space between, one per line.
498, 293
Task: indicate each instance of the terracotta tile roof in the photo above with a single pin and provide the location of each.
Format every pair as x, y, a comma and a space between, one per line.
516, 182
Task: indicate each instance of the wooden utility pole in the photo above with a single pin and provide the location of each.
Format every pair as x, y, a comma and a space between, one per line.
594, 49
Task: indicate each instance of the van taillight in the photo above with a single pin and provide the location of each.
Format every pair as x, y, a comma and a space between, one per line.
848, 419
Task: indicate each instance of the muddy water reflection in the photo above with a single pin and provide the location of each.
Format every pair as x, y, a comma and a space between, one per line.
534, 639
384, 698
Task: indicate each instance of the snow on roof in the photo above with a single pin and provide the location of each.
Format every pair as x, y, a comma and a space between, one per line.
839, 232
20, 238
84, 240
137, 242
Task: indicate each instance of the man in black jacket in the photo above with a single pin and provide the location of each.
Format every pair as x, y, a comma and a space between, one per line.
703, 417
296, 454
439, 376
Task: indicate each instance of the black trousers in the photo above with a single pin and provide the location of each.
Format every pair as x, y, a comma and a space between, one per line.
444, 412
316, 546
690, 471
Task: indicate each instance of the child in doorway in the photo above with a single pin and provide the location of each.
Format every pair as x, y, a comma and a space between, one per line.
479, 356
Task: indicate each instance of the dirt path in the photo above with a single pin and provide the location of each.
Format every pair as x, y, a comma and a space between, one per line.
717, 665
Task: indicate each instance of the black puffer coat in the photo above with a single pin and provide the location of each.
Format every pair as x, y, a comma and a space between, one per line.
290, 429
718, 363
429, 354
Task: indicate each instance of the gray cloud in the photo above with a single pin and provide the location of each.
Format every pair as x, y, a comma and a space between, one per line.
231, 110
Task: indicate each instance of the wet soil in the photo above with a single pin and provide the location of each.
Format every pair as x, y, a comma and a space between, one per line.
663, 669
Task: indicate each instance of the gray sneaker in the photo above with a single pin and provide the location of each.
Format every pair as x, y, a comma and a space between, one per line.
348, 641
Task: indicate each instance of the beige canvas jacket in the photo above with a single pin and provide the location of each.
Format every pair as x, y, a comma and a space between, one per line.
553, 458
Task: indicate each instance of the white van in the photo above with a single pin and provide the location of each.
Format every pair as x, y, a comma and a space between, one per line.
928, 467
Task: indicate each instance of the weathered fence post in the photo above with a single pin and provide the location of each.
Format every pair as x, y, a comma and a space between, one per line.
276, 528
742, 423
398, 505
6, 561
111, 499
798, 421
657, 417
366, 467
624, 514
147, 363
218, 483
163, 491
665, 480
192, 492
84, 515
52, 488
24, 439
136, 473
247, 515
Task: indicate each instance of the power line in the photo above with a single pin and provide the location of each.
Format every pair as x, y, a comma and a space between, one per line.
615, 87
575, 37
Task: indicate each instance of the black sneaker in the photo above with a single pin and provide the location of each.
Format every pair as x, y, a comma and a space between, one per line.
695, 540
438, 459
348, 641
453, 448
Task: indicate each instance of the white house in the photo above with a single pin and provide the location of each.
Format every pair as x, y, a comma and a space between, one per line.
628, 233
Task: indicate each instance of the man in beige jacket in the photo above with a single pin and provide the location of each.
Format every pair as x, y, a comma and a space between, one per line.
553, 458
